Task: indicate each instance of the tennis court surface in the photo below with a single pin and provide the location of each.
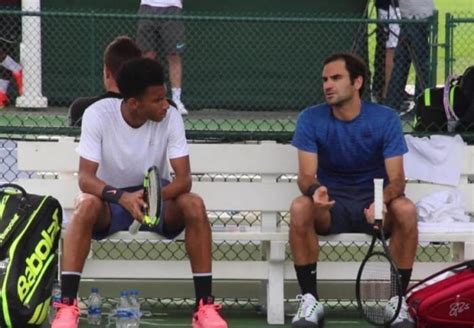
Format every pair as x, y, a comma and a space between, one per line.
238, 320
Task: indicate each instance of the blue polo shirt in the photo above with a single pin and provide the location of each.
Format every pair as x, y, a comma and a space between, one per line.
350, 153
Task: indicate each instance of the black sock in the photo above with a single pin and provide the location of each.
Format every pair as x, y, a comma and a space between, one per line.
203, 287
69, 287
405, 275
306, 275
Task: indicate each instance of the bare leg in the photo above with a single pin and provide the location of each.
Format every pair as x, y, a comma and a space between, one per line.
389, 54
189, 210
175, 70
404, 232
78, 236
304, 219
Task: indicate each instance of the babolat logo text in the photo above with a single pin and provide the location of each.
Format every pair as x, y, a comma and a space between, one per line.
9, 227
35, 262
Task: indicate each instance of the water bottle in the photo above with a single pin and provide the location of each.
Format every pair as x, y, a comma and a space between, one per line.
55, 299
94, 308
123, 312
135, 309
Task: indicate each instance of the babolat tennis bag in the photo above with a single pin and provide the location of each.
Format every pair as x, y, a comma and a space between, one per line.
445, 299
30, 227
447, 108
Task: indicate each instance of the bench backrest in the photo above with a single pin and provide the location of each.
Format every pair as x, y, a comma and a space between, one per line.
256, 167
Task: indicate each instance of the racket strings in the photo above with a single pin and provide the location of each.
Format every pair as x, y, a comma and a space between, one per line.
376, 288
153, 197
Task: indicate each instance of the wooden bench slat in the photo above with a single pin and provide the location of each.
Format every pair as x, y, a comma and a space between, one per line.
273, 158
242, 196
123, 269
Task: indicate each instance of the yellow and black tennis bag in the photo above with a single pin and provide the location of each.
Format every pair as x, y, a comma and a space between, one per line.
30, 227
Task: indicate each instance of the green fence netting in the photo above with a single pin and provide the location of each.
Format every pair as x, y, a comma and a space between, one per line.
245, 78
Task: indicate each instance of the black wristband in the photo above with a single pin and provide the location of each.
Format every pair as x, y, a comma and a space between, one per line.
312, 189
111, 194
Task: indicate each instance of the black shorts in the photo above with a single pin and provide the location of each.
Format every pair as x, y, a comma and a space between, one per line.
347, 214
121, 219
158, 34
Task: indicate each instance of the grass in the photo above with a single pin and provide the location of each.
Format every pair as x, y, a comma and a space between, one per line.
463, 37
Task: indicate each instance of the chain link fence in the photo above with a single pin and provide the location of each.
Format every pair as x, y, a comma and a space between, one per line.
245, 78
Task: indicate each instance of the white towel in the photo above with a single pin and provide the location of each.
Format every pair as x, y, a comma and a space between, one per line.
437, 159
444, 206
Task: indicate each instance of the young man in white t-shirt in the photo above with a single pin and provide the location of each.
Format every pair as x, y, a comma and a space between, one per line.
120, 140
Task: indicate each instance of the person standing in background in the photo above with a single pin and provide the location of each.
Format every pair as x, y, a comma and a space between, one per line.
10, 30
413, 47
168, 35
387, 40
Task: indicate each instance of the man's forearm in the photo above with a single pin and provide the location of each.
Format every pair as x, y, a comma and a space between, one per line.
393, 190
178, 186
91, 185
308, 184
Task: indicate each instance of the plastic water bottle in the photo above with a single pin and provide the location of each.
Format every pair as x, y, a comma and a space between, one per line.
135, 309
94, 308
123, 312
55, 299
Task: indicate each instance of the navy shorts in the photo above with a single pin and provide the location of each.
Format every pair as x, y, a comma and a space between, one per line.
121, 219
347, 214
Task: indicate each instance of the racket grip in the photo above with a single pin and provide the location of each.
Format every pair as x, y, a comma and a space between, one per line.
134, 227
378, 199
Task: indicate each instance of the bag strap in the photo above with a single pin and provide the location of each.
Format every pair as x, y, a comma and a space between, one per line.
448, 99
467, 264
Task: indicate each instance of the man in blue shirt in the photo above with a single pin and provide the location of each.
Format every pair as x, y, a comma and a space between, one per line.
343, 145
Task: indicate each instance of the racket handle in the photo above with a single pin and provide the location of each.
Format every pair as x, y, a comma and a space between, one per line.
134, 227
378, 199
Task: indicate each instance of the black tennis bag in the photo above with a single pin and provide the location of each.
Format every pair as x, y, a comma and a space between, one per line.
448, 108
30, 227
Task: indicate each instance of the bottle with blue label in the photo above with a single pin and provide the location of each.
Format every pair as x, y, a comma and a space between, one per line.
135, 308
94, 308
124, 311
55, 299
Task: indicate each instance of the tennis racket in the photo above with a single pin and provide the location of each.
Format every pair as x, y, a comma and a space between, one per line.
378, 287
152, 197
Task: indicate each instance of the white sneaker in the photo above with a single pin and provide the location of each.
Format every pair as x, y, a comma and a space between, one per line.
310, 312
403, 320
180, 107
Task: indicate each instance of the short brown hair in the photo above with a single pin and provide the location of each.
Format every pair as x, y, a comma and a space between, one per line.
354, 65
118, 52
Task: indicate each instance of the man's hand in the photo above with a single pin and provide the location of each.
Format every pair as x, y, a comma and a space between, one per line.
321, 199
370, 212
133, 202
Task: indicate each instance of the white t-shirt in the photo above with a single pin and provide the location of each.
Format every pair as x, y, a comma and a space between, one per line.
125, 153
162, 3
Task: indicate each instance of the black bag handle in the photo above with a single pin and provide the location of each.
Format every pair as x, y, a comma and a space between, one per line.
24, 194
24, 200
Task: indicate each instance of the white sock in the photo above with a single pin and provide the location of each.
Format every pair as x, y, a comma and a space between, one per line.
176, 93
4, 85
10, 64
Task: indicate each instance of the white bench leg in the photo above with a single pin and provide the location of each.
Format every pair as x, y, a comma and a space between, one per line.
463, 251
469, 251
275, 286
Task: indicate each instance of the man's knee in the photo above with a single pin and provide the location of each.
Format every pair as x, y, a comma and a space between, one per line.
87, 209
192, 205
300, 212
403, 212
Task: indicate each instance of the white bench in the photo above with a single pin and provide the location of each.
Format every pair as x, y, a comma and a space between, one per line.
256, 179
